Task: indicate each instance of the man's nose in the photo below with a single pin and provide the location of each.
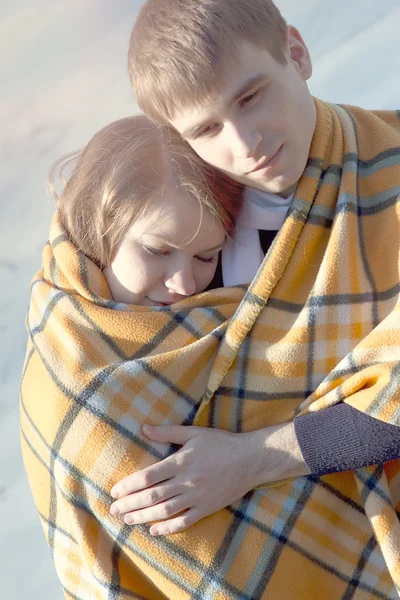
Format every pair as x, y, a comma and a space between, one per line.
181, 280
244, 141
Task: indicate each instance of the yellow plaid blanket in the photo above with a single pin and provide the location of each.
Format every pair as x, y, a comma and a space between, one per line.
319, 324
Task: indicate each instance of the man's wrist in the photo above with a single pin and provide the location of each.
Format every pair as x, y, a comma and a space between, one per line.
276, 454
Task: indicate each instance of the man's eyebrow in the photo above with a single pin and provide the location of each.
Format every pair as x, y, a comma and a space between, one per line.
250, 83
191, 132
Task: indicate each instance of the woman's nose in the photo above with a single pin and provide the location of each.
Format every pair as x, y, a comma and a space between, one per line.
181, 281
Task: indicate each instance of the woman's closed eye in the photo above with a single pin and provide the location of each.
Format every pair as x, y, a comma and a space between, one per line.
210, 259
164, 252
157, 251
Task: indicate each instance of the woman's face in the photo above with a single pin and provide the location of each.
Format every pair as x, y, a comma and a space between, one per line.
169, 253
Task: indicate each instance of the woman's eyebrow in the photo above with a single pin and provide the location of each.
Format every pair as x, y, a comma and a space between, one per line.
215, 247
169, 244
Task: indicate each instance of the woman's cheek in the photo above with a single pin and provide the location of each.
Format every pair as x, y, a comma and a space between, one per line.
205, 277
149, 273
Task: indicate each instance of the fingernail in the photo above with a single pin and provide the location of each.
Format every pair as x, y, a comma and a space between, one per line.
115, 493
129, 520
114, 510
154, 532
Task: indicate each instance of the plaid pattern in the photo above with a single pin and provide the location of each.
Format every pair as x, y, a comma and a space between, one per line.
319, 324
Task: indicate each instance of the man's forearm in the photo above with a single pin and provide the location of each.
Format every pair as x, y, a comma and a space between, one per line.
342, 438
337, 439
277, 454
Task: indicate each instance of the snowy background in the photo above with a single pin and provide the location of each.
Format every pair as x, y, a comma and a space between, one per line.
63, 76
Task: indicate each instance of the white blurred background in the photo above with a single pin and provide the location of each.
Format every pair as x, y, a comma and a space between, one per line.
62, 77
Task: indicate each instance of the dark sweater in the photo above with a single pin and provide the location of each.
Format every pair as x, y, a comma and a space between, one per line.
339, 438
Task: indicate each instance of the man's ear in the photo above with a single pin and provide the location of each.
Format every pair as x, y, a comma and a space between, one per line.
298, 53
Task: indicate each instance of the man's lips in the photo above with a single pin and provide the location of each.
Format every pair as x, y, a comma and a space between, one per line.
265, 162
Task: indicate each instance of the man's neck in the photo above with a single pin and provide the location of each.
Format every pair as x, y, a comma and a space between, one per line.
285, 194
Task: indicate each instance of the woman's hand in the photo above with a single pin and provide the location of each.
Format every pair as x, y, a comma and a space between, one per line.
212, 469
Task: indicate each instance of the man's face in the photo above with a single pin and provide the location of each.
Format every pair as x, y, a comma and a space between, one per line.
259, 128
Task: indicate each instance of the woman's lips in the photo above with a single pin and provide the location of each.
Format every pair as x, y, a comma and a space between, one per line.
157, 303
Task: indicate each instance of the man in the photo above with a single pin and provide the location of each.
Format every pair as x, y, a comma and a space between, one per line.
230, 77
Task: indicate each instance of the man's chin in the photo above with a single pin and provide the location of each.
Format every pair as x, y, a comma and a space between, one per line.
280, 187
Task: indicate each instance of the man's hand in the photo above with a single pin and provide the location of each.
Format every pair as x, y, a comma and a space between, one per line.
212, 469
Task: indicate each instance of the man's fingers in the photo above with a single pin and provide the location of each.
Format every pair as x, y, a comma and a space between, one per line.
162, 471
174, 434
161, 511
177, 524
144, 499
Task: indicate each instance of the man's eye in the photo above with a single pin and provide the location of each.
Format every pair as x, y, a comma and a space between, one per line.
209, 130
248, 99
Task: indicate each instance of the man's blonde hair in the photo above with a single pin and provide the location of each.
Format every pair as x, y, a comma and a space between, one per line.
124, 167
179, 49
